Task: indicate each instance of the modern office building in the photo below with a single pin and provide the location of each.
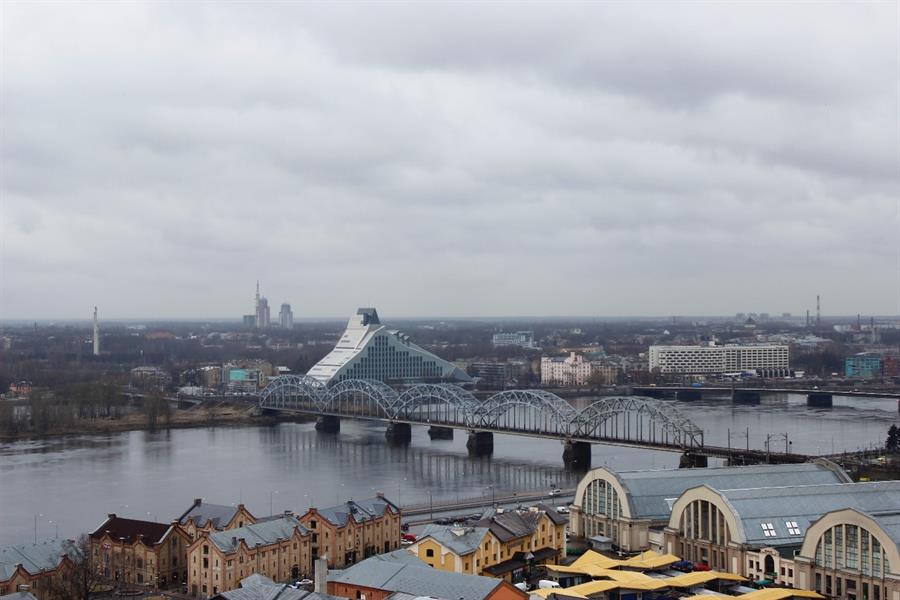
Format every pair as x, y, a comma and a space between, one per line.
525, 339
864, 365
286, 317
369, 350
767, 360
631, 508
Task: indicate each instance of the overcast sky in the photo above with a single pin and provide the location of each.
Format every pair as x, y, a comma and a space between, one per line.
453, 159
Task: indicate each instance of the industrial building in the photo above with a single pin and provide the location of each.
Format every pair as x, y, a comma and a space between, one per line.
840, 539
766, 360
368, 350
631, 508
524, 339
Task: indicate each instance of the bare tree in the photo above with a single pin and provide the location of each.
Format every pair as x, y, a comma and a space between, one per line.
80, 575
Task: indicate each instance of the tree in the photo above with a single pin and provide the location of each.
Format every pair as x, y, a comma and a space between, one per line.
893, 440
80, 574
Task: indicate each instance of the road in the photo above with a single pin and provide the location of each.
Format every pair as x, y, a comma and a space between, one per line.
427, 513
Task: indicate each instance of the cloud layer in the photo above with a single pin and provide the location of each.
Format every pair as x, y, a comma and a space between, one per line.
449, 159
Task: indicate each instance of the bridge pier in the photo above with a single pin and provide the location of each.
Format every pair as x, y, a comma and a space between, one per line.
577, 455
688, 395
480, 443
819, 400
328, 424
689, 460
440, 433
745, 397
398, 433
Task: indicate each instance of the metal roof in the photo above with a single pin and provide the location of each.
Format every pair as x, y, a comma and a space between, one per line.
775, 509
648, 491
260, 587
34, 558
262, 533
418, 580
203, 512
460, 540
362, 510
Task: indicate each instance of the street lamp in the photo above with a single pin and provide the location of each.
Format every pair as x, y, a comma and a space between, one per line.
493, 495
271, 494
56, 523
338, 493
35, 526
430, 506
399, 483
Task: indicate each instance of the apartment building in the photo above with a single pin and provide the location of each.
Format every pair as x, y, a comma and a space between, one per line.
278, 548
350, 532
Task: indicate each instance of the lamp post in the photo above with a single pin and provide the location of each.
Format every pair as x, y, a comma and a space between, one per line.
35, 526
271, 496
399, 483
56, 524
430, 506
493, 495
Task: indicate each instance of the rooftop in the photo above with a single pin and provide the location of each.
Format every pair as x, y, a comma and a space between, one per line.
132, 530
417, 579
651, 493
362, 510
261, 533
34, 558
217, 515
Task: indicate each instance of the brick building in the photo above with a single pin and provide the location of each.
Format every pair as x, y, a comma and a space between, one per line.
140, 552
352, 531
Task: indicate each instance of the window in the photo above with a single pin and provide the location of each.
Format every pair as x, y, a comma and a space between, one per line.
792, 527
429, 553
768, 530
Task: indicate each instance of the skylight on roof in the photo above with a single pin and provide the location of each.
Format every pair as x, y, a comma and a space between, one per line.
768, 530
792, 527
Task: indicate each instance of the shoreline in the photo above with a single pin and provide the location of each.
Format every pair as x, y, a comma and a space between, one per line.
220, 416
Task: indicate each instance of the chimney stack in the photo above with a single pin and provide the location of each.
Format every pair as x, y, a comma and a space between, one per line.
321, 577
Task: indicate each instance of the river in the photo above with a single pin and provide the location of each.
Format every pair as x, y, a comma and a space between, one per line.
70, 483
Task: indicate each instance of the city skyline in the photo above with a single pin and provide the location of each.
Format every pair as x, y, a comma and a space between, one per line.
601, 158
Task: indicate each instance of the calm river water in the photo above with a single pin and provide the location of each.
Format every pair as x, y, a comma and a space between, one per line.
71, 483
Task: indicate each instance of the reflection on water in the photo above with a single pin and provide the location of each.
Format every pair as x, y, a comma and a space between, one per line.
77, 480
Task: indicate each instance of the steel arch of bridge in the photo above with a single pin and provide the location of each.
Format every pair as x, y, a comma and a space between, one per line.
625, 419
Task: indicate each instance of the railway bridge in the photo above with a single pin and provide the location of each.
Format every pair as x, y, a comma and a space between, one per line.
621, 420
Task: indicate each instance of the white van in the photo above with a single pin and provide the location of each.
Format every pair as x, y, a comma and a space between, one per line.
547, 584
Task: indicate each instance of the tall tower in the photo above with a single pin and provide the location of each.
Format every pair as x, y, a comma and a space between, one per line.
96, 334
818, 312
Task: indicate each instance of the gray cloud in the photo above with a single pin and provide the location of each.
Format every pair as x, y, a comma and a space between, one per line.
449, 158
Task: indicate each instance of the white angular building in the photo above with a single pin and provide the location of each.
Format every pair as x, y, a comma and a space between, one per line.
368, 350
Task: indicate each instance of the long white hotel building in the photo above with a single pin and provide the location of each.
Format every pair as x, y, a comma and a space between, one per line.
768, 360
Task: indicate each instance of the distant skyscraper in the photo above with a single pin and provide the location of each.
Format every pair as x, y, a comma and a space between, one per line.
262, 310
96, 334
286, 317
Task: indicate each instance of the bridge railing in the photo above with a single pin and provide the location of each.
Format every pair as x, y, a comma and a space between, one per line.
621, 418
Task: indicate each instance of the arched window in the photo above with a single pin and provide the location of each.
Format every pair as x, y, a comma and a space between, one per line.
863, 551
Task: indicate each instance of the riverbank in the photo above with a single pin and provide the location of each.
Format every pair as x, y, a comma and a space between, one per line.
218, 415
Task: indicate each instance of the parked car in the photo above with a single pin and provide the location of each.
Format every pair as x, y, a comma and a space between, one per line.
701, 567
563, 510
404, 527
409, 537
556, 492
683, 565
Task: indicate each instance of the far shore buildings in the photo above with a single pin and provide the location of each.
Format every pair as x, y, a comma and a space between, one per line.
576, 370
132, 551
35, 567
369, 350
350, 532
766, 360
277, 548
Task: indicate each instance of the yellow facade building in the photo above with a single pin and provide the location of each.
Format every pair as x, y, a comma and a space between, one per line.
506, 545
